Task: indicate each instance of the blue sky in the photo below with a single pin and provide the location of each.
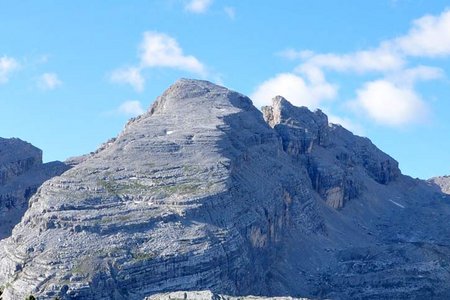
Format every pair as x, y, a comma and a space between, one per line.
73, 72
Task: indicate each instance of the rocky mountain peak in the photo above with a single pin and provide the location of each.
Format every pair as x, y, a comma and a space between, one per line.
200, 193
189, 93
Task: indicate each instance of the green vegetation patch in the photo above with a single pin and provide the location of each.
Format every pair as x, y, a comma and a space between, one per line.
114, 188
141, 256
181, 189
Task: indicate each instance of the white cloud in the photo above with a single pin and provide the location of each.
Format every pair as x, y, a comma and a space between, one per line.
392, 100
131, 108
429, 37
376, 60
390, 104
294, 88
7, 66
230, 12
409, 77
49, 81
158, 50
131, 76
198, 6
313, 73
162, 50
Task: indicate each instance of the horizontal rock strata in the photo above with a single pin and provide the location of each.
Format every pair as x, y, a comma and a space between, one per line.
201, 193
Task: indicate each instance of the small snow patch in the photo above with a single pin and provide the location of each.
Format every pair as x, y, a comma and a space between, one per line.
398, 204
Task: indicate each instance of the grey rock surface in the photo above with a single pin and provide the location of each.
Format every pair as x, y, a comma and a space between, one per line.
443, 182
200, 193
208, 295
337, 161
21, 174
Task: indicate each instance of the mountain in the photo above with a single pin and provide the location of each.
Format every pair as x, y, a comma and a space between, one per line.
204, 192
21, 173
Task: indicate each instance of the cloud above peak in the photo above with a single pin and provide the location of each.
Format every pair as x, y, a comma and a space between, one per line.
161, 50
411, 76
391, 99
390, 104
376, 60
428, 37
299, 91
157, 50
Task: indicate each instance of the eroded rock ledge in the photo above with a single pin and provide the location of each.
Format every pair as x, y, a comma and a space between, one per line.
208, 295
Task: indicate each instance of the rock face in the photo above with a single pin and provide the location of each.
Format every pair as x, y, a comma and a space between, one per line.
200, 193
336, 160
208, 295
443, 182
21, 173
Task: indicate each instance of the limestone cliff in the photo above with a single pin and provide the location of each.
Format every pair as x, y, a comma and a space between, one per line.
336, 160
21, 173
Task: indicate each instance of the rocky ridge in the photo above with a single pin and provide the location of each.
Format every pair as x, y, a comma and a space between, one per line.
201, 193
336, 160
21, 174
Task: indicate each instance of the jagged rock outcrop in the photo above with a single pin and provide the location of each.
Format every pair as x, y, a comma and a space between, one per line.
443, 182
336, 159
201, 193
21, 173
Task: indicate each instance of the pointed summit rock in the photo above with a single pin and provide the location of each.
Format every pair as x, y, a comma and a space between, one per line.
200, 193
282, 111
337, 161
